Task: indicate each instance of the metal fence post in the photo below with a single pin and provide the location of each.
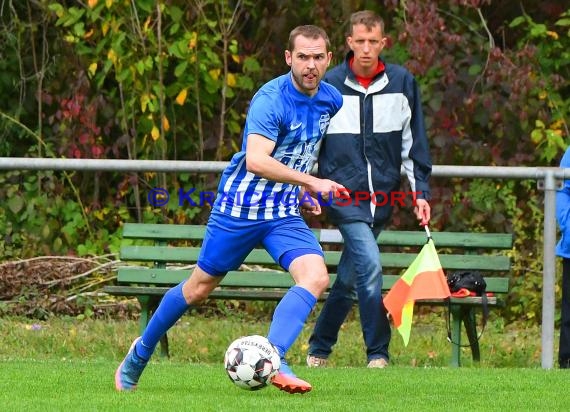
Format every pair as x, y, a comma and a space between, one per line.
549, 270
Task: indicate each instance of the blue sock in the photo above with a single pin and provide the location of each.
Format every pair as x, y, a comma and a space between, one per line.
289, 317
171, 308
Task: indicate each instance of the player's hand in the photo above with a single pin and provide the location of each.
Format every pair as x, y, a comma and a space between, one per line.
325, 188
308, 204
311, 208
422, 211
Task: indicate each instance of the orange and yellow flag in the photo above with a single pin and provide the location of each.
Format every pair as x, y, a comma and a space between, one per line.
424, 279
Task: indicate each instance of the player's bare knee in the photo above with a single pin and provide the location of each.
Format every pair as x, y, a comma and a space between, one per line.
310, 272
196, 296
199, 286
196, 293
324, 281
320, 281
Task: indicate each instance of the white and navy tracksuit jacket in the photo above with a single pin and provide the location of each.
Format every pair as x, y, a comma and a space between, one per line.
377, 131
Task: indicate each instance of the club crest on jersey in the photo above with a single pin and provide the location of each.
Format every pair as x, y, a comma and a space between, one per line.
324, 122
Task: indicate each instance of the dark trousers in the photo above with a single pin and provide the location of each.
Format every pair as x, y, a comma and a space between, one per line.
564, 348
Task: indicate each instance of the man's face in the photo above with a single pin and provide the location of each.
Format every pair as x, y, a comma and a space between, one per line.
366, 45
309, 61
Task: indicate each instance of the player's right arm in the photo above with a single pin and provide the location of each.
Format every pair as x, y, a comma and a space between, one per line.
260, 162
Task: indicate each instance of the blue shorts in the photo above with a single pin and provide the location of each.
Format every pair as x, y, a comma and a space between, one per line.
228, 241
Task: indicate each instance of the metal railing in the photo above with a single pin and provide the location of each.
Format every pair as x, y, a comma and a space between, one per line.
548, 179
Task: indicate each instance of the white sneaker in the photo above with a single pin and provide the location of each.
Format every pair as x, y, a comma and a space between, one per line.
378, 363
316, 362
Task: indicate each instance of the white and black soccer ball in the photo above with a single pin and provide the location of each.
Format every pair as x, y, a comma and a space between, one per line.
251, 362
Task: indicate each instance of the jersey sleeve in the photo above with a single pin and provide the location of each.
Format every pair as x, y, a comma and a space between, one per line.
264, 116
563, 198
336, 101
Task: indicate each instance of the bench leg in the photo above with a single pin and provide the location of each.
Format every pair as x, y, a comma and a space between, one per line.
471, 329
148, 306
455, 336
164, 346
144, 301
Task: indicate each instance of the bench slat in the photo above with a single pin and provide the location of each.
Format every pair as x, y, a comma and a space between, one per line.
256, 278
276, 294
441, 239
495, 284
332, 258
387, 238
474, 262
163, 231
449, 239
238, 294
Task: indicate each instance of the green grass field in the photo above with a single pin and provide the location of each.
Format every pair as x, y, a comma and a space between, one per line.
67, 364
175, 386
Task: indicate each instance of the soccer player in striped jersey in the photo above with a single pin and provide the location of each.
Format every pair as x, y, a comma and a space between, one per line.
260, 197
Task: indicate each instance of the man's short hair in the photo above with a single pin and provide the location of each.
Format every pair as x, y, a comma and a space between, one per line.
366, 17
309, 31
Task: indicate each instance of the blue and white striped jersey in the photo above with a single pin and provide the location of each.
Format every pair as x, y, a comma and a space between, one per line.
296, 123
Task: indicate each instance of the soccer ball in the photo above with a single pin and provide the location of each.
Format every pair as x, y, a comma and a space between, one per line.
251, 362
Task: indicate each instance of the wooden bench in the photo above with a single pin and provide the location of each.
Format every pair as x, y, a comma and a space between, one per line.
156, 253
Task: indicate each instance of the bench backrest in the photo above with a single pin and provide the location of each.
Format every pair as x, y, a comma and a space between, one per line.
166, 244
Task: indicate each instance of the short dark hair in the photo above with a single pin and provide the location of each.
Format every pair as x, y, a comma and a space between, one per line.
311, 32
366, 17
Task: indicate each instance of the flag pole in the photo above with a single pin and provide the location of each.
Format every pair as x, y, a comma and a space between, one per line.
428, 233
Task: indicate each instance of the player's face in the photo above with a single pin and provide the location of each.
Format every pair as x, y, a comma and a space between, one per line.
366, 45
309, 60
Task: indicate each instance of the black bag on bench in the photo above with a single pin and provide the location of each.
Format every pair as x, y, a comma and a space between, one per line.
471, 281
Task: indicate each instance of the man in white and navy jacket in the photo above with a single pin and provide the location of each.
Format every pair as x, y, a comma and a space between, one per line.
379, 129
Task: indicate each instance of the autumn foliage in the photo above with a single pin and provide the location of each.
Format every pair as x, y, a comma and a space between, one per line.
156, 79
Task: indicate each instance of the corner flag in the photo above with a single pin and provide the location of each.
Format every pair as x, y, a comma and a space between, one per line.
424, 279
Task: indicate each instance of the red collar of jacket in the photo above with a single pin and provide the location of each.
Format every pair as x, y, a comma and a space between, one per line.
365, 81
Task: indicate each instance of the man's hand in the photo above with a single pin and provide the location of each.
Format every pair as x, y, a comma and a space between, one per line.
422, 211
310, 206
324, 188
